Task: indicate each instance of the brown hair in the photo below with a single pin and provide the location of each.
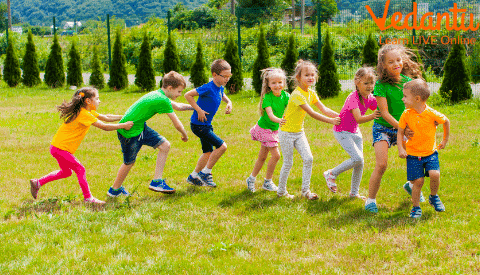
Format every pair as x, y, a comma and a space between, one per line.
298, 69
70, 110
410, 68
219, 65
174, 80
418, 87
267, 74
364, 72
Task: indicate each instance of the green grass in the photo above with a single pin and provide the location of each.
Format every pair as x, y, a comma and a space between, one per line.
225, 230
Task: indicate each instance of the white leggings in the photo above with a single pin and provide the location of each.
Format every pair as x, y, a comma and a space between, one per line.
288, 142
353, 144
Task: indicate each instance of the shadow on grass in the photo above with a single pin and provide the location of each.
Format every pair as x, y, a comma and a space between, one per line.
251, 201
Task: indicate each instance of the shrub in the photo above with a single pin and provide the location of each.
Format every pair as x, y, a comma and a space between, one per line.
197, 73
97, 79
455, 86
118, 71
54, 73
290, 60
31, 72
370, 52
171, 60
145, 76
261, 62
74, 67
328, 84
235, 83
11, 66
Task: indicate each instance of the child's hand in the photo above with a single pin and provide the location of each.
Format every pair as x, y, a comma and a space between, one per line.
402, 153
184, 138
228, 109
128, 125
336, 120
376, 114
282, 121
202, 116
443, 144
408, 132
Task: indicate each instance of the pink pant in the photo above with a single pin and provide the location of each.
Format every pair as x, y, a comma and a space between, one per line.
67, 163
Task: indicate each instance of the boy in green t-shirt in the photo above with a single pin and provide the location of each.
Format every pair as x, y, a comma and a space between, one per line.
156, 102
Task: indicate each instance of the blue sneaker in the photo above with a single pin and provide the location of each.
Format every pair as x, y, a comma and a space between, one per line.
207, 179
161, 186
371, 207
194, 181
436, 203
407, 188
120, 191
416, 212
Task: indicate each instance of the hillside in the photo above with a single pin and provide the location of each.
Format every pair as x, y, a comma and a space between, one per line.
40, 12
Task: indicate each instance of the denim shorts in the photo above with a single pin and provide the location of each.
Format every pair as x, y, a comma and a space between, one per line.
131, 146
207, 137
418, 167
381, 132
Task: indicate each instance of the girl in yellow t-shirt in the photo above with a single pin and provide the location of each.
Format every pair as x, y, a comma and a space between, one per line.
79, 115
291, 134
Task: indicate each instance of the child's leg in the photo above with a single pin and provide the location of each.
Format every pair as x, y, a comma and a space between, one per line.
434, 181
417, 188
381, 160
202, 161
353, 145
215, 156
64, 171
272, 163
303, 148
262, 156
287, 141
163, 150
122, 174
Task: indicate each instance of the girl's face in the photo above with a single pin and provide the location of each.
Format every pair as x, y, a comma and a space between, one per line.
307, 76
365, 85
94, 101
275, 83
393, 63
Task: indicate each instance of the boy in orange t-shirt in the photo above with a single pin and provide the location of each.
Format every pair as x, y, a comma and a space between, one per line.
421, 150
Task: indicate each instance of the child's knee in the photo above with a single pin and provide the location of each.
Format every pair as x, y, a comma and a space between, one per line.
308, 160
223, 147
358, 162
381, 167
434, 174
65, 173
165, 146
418, 182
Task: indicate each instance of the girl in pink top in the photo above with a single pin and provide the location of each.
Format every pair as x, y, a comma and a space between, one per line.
348, 134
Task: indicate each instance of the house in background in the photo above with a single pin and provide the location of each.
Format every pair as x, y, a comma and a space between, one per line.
71, 25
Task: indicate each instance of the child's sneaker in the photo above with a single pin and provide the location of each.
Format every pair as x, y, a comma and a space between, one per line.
120, 191
34, 187
269, 186
207, 179
194, 181
94, 200
251, 184
285, 195
357, 196
436, 203
330, 181
161, 186
371, 207
309, 195
407, 188
416, 212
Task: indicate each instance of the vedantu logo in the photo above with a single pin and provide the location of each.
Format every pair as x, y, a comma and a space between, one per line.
449, 24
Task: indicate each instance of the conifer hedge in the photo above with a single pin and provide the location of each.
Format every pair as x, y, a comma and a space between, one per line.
74, 67
198, 75
31, 72
11, 66
171, 61
97, 79
235, 84
54, 72
455, 85
145, 76
118, 70
370, 52
290, 62
328, 84
261, 62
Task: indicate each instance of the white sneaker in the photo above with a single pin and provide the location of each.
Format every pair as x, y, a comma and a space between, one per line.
251, 184
269, 186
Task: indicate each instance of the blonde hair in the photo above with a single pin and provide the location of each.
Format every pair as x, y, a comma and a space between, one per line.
418, 87
219, 65
174, 80
410, 68
268, 74
298, 70
364, 72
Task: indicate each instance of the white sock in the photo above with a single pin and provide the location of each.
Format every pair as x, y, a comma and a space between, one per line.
194, 174
369, 200
268, 180
206, 170
252, 177
410, 184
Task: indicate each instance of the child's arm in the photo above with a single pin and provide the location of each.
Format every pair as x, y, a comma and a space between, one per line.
272, 117
324, 109
181, 106
446, 134
383, 107
189, 97
229, 107
110, 127
109, 118
401, 151
319, 116
178, 125
365, 118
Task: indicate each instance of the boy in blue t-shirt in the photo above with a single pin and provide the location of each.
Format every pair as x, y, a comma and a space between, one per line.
210, 96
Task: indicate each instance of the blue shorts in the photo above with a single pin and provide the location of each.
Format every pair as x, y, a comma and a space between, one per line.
207, 137
381, 132
418, 167
131, 146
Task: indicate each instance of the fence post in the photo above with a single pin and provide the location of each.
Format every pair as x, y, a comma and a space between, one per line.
168, 21
413, 29
319, 34
239, 37
302, 20
109, 45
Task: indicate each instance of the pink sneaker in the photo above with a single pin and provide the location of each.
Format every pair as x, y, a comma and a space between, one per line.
330, 181
94, 200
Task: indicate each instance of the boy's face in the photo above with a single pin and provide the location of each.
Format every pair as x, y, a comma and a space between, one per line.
222, 78
173, 93
409, 100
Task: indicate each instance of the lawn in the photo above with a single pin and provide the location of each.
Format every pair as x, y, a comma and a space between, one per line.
228, 229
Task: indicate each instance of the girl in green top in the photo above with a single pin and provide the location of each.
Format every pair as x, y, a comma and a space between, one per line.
273, 101
394, 68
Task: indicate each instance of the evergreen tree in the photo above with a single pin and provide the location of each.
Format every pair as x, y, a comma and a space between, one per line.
370, 52
290, 61
328, 84
118, 71
97, 79
171, 61
235, 83
261, 62
197, 73
455, 86
474, 62
54, 73
74, 68
31, 72
11, 66
145, 76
